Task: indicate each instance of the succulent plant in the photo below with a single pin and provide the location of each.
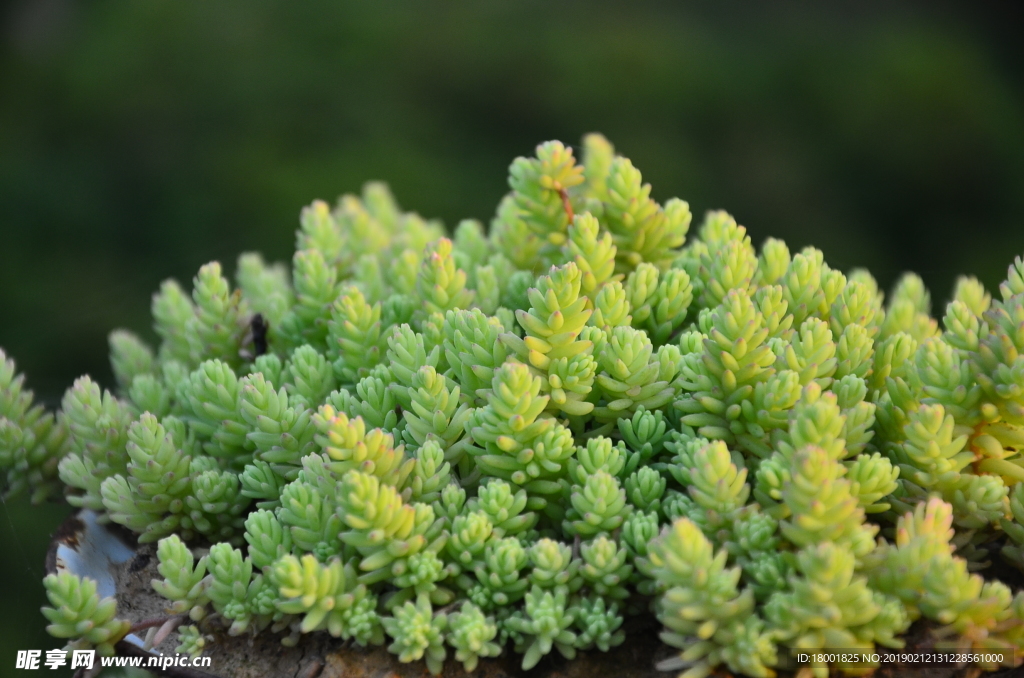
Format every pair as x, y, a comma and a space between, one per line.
79, 614
471, 634
184, 580
418, 632
538, 428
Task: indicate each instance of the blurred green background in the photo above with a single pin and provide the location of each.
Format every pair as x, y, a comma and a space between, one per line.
141, 140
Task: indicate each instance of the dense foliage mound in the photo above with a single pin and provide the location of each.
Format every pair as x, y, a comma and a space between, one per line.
512, 440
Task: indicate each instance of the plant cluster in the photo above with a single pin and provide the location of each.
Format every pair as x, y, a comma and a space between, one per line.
515, 439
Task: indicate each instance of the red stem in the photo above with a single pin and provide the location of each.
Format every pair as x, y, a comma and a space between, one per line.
150, 623
566, 204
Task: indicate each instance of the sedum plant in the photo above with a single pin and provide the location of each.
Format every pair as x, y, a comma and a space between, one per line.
79, 614
471, 634
512, 439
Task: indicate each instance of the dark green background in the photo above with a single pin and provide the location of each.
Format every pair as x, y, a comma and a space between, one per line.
139, 140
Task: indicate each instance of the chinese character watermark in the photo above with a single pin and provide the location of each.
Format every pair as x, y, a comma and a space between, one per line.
55, 659
28, 659
82, 658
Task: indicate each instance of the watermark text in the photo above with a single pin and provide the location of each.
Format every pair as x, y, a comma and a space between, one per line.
54, 659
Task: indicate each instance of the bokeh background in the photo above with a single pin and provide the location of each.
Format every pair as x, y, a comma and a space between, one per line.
141, 140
